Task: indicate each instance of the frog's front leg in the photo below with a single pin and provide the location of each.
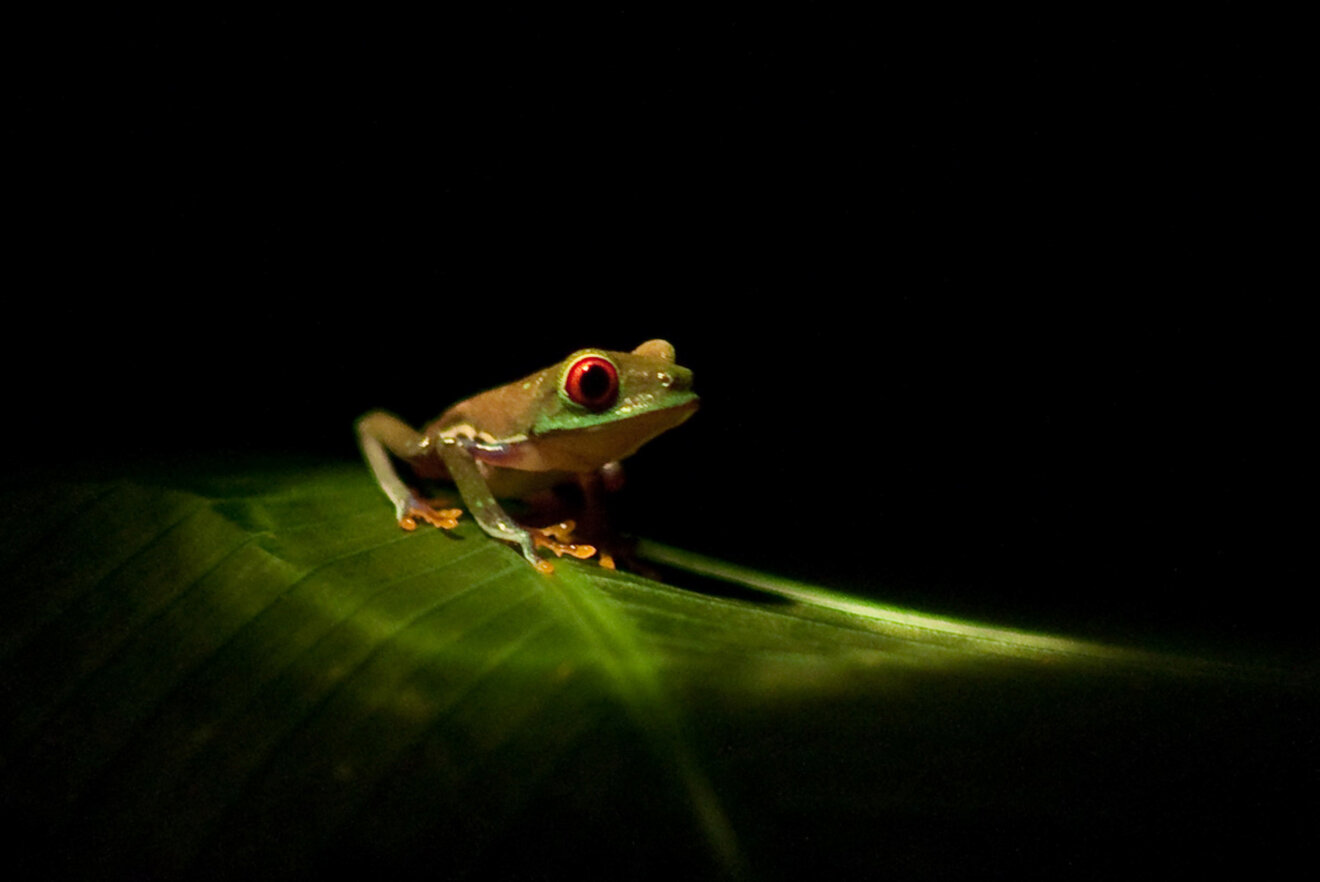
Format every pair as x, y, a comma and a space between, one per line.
466, 473
379, 432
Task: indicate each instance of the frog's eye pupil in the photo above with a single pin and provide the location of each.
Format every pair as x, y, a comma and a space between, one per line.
595, 382
592, 382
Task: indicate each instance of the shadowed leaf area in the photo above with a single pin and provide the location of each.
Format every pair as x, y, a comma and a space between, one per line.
259, 673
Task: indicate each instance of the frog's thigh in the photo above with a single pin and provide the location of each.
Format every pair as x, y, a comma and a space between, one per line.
400, 438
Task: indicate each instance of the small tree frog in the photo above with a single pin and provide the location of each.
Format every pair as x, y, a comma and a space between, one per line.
558, 425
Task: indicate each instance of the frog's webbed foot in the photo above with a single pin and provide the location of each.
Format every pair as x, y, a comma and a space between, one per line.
559, 539
414, 508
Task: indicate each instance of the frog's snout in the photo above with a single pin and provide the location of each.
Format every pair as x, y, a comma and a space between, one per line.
676, 379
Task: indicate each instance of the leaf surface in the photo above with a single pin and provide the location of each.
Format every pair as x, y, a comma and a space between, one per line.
257, 671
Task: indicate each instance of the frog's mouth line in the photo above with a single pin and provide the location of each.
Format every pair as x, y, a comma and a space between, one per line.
690, 407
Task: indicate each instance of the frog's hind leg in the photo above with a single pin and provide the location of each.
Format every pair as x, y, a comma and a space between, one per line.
380, 434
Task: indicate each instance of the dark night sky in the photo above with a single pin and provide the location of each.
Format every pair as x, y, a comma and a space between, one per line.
985, 317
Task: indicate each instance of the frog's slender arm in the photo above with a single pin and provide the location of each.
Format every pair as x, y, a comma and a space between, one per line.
379, 432
464, 472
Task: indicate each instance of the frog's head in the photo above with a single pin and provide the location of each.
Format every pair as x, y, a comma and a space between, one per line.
605, 404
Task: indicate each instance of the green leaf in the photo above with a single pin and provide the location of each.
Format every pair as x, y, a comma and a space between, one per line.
256, 671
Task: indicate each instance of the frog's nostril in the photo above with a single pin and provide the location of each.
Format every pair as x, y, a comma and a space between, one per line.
678, 379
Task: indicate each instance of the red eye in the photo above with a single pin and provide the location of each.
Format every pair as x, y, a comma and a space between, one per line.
593, 382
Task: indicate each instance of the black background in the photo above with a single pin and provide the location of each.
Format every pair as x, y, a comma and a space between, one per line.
988, 315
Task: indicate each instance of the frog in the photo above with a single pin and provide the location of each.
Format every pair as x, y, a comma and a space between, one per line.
571, 422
